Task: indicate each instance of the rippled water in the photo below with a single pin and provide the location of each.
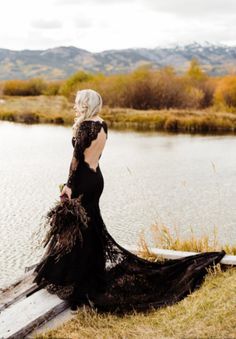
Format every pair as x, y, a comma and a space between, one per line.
179, 180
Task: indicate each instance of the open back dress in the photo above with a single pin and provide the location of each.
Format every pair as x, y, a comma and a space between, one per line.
83, 258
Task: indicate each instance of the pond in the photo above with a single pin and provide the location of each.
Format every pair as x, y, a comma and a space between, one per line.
179, 180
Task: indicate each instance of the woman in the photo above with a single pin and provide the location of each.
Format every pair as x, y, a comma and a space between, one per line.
92, 268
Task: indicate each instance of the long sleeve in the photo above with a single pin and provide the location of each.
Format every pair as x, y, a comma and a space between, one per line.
79, 144
72, 171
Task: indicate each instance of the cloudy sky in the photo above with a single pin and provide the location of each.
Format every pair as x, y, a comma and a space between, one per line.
97, 25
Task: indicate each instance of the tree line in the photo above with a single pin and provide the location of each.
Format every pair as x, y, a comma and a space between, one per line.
144, 88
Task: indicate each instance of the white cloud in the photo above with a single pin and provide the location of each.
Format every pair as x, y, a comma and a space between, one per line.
83, 22
98, 25
46, 24
94, 2
193, 8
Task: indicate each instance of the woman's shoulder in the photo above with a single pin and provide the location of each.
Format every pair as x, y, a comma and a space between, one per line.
90, 128
95, 124
101, 121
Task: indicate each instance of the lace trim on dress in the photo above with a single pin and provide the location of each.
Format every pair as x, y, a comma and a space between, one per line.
86, 133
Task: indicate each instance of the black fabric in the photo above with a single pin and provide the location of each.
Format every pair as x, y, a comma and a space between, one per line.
87, 132
115, 279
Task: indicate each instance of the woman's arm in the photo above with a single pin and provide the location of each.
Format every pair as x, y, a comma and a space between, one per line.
72, 170
79, 145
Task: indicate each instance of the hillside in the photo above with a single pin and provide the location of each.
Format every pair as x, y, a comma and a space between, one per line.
60, 62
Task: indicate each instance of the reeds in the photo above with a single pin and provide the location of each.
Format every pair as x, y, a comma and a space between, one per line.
163, 237
37, 109
58, 110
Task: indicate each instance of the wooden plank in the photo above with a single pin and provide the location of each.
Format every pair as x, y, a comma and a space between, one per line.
58, 320
17, 290
171, 254
24, 308
24, 316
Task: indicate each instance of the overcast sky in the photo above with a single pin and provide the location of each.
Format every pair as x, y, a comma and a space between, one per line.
97, 25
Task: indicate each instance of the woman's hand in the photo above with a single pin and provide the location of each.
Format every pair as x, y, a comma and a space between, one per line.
66, 191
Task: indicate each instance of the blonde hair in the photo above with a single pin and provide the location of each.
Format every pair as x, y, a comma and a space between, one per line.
89, 103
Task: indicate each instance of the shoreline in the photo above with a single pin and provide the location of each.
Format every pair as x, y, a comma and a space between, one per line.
197, 314
51, 318
58, 110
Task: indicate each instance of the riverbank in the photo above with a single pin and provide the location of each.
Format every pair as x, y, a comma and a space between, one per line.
58, 110
207, 312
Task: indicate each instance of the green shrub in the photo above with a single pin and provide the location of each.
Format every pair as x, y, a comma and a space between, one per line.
71, 85
52, 88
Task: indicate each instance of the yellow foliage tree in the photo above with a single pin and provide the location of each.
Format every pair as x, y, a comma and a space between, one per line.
225, 93
195, 71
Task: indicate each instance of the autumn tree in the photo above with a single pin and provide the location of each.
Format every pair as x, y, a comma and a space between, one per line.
225, 94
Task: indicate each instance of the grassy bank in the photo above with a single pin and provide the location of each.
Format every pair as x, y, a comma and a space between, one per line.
208, 312
165, 238
57, 110
36, 109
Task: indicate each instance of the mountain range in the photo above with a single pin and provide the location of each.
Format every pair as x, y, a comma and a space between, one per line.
60, 62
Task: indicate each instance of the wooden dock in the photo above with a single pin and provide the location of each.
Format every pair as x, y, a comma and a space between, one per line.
24, 307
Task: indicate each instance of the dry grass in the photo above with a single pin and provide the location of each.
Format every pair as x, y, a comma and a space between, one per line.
208, 312
57, 109
37, 109
164, 238
172, 120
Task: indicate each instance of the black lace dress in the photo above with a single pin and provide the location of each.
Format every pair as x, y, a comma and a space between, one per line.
115, 279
